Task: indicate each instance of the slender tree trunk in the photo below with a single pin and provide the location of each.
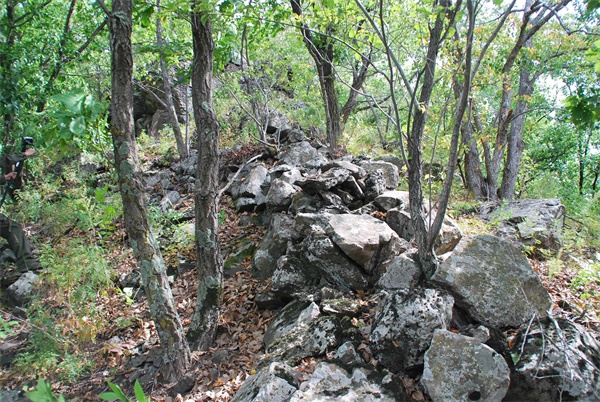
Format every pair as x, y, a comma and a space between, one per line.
415, 151
203, 328
322, 54
176, 353
516, 145
182, 148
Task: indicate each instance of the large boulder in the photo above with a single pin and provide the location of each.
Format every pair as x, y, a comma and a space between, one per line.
296, 314
493, 282
556, 360
461, 368
535, 223
404, 324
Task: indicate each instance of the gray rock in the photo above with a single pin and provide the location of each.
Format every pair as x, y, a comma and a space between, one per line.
356, 171
295, 314
493, 281
556, 360
389, 171
330, 382
403, 327
319, 337
392, 199
280, 195
273, 246
288, 174
460, 368
274, 383
348, 355
534, 223
302, 155
22, 289
294, 274
250, 182
316, 183
400, 273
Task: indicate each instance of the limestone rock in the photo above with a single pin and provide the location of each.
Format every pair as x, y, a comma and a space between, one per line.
493, 281
461, 368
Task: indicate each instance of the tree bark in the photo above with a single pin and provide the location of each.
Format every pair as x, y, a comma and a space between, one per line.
176, 353
322, 53
209, 263
182, 148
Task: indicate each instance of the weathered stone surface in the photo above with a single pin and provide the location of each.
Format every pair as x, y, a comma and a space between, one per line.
320, 336
250, 182
449, 236
292, 316
493, 281
274, 383
347, 355
356, 171
392, 199
294, 275
404, 325
330, 382
273, 246
460, 368
280, 195
21, 290
558, 360
289, 174
400, 273
366, 240
534, 223
321, 182
389, 170
302, 155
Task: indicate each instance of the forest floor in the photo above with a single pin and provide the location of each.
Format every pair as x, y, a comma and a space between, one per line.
127, 346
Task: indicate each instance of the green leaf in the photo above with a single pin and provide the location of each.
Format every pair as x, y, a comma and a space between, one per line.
117, 393
71, 101
77, 125
139, 392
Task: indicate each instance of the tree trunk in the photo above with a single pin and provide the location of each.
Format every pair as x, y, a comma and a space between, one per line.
209, 264
415, 152
322, 53
182, 148
176, 353
516, 145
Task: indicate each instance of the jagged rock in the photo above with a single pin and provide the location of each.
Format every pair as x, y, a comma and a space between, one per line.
280, 195
399, 221
460, 368
274, 383
294, 274
286, 173
403, 326
330, 382
557, 360
315, 339
21, 290
295, 314
245, 204
364, 239
493, 282
273, 246
335, 266
316, 183
449, 236
347, 355
389, 171
250, 182
302, 155
333, 203
392, 199
356, 171
400, 273
534, 223
375, 184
